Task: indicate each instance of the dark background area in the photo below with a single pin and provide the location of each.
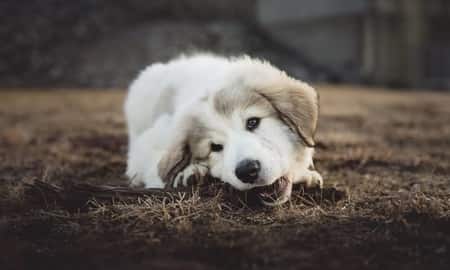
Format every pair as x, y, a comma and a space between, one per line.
99, 43
387, 150
105, 43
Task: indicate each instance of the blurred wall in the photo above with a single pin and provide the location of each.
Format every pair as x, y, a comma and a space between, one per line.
401, 43
43, 41
327, 32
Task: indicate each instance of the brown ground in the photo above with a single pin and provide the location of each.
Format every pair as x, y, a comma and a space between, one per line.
390, 150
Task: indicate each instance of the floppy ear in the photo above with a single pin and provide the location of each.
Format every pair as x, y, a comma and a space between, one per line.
176, 158
297, 107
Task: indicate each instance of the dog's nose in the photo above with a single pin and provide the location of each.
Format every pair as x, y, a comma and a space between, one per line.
247, 170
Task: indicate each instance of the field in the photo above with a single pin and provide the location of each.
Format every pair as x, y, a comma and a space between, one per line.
389, 150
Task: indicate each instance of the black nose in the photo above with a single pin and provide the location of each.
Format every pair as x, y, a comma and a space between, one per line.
247, 170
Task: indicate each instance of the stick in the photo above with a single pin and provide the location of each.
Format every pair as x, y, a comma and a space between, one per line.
77, 195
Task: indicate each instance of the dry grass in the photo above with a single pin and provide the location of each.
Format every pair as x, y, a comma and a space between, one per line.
389, 150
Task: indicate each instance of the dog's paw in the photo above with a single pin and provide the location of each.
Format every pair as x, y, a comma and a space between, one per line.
316, 180
136, 182
151, 181
310, 179
191, 174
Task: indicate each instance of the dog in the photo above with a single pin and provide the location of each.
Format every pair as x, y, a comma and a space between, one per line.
239, 119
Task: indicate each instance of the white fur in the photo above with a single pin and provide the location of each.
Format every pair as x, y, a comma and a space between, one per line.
164, 94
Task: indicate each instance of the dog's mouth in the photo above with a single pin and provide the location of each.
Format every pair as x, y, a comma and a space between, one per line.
276, 193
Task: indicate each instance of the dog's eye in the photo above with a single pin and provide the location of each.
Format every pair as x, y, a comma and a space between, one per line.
252, 123
216, 147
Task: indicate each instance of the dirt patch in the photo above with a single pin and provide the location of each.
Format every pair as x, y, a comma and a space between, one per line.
387, 150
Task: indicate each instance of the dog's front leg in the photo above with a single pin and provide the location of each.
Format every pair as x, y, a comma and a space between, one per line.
144, 153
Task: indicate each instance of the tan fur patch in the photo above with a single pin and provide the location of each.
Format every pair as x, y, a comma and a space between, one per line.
183, 150
297, 106
227, 101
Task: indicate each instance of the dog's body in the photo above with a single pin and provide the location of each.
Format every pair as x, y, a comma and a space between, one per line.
240, 120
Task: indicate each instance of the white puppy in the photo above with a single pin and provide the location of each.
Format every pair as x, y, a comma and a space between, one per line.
240, 120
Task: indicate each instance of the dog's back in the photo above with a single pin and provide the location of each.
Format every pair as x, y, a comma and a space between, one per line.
161, 87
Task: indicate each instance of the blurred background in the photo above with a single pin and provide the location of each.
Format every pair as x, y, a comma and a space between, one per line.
104, 43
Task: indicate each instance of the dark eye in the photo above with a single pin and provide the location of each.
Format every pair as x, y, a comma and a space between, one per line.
252, 123
216, 147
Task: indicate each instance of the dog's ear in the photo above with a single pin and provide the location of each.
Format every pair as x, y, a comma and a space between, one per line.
176, 158
297, 107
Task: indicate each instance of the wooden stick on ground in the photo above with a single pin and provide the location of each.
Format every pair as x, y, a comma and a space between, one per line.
77, 196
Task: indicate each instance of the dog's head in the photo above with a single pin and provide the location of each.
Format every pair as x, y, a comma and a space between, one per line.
249, 133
